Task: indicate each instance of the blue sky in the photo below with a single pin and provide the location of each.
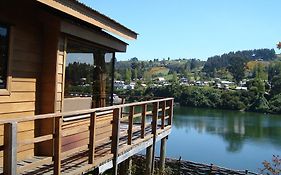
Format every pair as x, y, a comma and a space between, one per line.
194, 28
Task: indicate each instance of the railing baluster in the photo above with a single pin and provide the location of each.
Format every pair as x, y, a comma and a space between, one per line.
171, 105
143, 120
10, 150
130, 125
57, 146
155, 117
92, 138
115, 138
163, 115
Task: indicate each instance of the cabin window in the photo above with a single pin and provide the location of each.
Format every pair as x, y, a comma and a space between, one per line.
4, 47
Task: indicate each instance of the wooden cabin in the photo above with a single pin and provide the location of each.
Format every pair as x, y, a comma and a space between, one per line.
42, 131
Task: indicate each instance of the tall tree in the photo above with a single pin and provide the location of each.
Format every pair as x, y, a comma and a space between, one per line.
128, 75
237, 68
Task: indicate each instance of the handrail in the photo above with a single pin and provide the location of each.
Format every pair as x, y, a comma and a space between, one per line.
79, 112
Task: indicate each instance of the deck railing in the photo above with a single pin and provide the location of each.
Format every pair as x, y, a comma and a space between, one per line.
146, 118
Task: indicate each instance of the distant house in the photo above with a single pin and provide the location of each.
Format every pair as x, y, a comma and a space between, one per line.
160, 79
241, 88
119, 84
184, 80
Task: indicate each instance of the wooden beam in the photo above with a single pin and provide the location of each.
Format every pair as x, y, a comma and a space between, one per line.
92, 138
143, 120
115, 138
57, 146
10, 151
130, 127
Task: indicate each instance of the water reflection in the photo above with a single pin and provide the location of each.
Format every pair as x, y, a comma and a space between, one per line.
234, 127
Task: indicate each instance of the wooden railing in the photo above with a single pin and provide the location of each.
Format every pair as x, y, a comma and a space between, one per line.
146, 118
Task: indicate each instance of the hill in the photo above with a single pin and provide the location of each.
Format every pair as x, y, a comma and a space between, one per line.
219, 62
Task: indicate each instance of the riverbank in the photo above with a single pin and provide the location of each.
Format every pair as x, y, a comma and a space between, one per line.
208, 97
184, 167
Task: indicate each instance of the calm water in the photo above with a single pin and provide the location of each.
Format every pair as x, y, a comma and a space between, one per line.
232, 139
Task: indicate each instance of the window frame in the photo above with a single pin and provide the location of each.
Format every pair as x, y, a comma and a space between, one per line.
7, 90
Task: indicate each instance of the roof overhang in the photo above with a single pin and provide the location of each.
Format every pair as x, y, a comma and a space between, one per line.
99, 37
88, 15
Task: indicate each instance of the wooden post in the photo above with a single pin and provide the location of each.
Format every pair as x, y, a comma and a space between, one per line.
92, 138
154, 132
122, 109
162, 155
130, 127
171, 112
143, 120
57, 146
163, 115
155, 117
148, 163
10, 148
99, 84
115, 138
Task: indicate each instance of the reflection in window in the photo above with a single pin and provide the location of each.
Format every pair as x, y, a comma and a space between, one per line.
80, 74
4, 42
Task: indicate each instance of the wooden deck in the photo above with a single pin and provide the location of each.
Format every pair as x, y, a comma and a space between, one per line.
106, 138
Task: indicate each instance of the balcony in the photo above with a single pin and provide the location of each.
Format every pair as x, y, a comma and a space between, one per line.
85, 140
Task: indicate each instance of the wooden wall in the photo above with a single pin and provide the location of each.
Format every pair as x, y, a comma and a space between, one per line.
25, 64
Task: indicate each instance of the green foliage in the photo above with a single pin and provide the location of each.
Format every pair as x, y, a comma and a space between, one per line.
260, 104
257, 86
231, 100
128, 75
219, 62
237, 68
276, 85
275, 104
260, 72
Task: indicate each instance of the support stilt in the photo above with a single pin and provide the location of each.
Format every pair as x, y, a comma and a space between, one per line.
162, 155
148, 167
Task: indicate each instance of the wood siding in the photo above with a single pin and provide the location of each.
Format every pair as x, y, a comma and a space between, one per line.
25, 67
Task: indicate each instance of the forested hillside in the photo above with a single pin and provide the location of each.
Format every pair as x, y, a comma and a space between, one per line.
215, 63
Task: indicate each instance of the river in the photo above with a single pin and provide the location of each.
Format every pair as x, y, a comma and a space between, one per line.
233, 139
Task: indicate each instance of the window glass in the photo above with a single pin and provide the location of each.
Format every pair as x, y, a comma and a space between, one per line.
4, 35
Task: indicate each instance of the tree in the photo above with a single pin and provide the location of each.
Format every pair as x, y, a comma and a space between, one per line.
260, 104
257, 86
193, 64
276, 85
237, 68
275, 104
128, 75
274, 69
259, 71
